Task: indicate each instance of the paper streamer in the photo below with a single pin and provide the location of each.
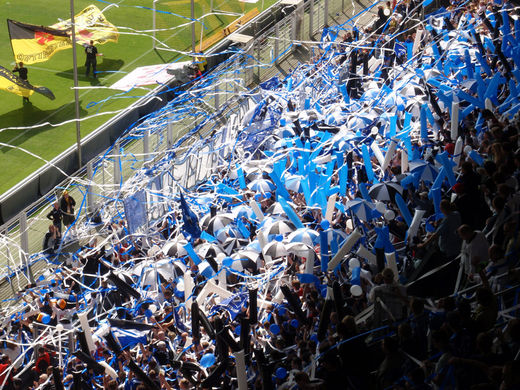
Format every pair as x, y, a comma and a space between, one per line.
211, 288
424, 126
403, 208
343, 180
291, 214
368, 163
444, 160
241, 179
393, 126
366, 254
191, 253
324, 250
364, 192
345, 249
476, 157
454, 120
83, 320
355, 277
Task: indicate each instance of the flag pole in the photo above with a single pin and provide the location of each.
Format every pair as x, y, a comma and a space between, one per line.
75, 72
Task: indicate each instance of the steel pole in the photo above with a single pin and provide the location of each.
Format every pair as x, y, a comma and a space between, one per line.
75, 71
193, 26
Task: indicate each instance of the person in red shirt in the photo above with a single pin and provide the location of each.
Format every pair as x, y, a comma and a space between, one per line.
6, 373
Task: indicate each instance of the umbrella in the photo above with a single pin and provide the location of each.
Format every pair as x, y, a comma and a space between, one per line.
275, 249
232, 243
411, 90
276, 209
164, 268
246, 260
361, 208
293, 183
301, 249
385, 191
428, 172
243, 211
262, 185
218, 222
279, 227
226, 232
175, 248
207, 249
304, 235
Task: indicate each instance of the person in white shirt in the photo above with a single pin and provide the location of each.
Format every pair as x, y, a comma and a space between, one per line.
474, 251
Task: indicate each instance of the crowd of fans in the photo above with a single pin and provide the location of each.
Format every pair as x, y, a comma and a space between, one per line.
440, 314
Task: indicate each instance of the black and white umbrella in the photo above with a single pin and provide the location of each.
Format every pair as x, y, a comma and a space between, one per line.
385, 191
175, 248
246, 260
207, 250
279, 227
218, 222
233, 243
275, 249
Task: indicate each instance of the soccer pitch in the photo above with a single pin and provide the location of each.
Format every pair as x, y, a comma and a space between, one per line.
27, 131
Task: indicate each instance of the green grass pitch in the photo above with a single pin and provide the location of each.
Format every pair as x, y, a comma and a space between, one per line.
18, 145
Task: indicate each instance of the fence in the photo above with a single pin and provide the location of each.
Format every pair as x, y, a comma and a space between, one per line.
190, 139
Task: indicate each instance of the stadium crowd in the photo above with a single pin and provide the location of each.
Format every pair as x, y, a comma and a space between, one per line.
430, 309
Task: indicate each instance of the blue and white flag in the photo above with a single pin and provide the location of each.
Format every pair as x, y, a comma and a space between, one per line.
129, 338
233, 305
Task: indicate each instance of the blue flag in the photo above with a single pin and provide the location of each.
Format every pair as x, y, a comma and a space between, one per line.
191, 222
233, 305
129, 338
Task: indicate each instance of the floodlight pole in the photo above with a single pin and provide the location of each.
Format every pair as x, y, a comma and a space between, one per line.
75, 72
193, 26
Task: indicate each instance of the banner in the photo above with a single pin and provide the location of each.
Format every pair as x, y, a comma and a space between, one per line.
91, 25
32, 44
12, 83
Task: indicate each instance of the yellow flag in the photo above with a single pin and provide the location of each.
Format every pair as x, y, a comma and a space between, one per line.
12, 83
91, 25
32, 44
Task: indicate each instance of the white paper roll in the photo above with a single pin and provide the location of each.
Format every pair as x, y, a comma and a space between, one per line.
389, 155
345, 249
454, 120
256, 209
457, 152
390, 263
331, 203
414, 226
488, 104
188, 287
240, 365
417, 41
109, 370
377, 152
367, 255
404, 161
83, 320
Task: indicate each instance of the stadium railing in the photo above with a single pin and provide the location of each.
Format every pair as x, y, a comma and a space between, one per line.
196, 155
